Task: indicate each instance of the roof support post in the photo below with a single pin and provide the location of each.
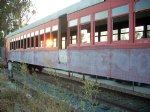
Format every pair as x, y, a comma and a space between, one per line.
92, 29
131, 21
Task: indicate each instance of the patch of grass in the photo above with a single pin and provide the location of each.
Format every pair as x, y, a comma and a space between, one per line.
20, 98
89, 92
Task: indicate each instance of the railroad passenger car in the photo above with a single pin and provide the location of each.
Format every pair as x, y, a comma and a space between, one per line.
108, 38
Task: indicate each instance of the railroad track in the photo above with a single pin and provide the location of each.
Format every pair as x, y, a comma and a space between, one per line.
123, 101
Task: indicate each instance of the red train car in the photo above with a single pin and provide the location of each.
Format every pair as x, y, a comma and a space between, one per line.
109, 38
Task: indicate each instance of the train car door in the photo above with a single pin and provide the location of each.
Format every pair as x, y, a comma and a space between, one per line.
62, 39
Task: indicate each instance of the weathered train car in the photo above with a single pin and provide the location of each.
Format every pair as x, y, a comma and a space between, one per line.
109, 38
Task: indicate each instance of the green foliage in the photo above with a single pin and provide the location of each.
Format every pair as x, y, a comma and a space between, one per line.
13, 15
90, 91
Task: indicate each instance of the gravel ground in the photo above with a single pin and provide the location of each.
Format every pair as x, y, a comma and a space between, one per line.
55, 89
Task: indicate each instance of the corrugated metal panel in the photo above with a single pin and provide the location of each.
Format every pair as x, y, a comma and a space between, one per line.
73, 8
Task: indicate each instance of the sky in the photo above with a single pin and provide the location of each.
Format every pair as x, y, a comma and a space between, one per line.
47, 7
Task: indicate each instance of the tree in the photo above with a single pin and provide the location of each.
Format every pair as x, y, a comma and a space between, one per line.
14, 14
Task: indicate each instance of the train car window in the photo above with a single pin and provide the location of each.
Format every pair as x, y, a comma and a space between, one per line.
49, 42
55, 35
73, 35
21, 43
85, 29
63, 42
10, 45
15, 45
36, 41
96, 36
120, 10
124, 34
142, 5
21, 39
42, 40
148, 31
55, 41
47, 30
28, 42
24, 42
32, 41
73, 31
101, 31
121, 28
48, 37
18, 44
142, 27
85, 33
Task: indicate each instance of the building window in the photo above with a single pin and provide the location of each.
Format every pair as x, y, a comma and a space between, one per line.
85, 33
142, 27
101, 31
73, 35
121, 28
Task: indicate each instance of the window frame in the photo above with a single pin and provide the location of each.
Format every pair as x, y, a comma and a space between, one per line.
71, 37
99, 38
144, 40
120, 41
85, 44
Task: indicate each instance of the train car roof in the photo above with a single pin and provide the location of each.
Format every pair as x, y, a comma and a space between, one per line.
73, 8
